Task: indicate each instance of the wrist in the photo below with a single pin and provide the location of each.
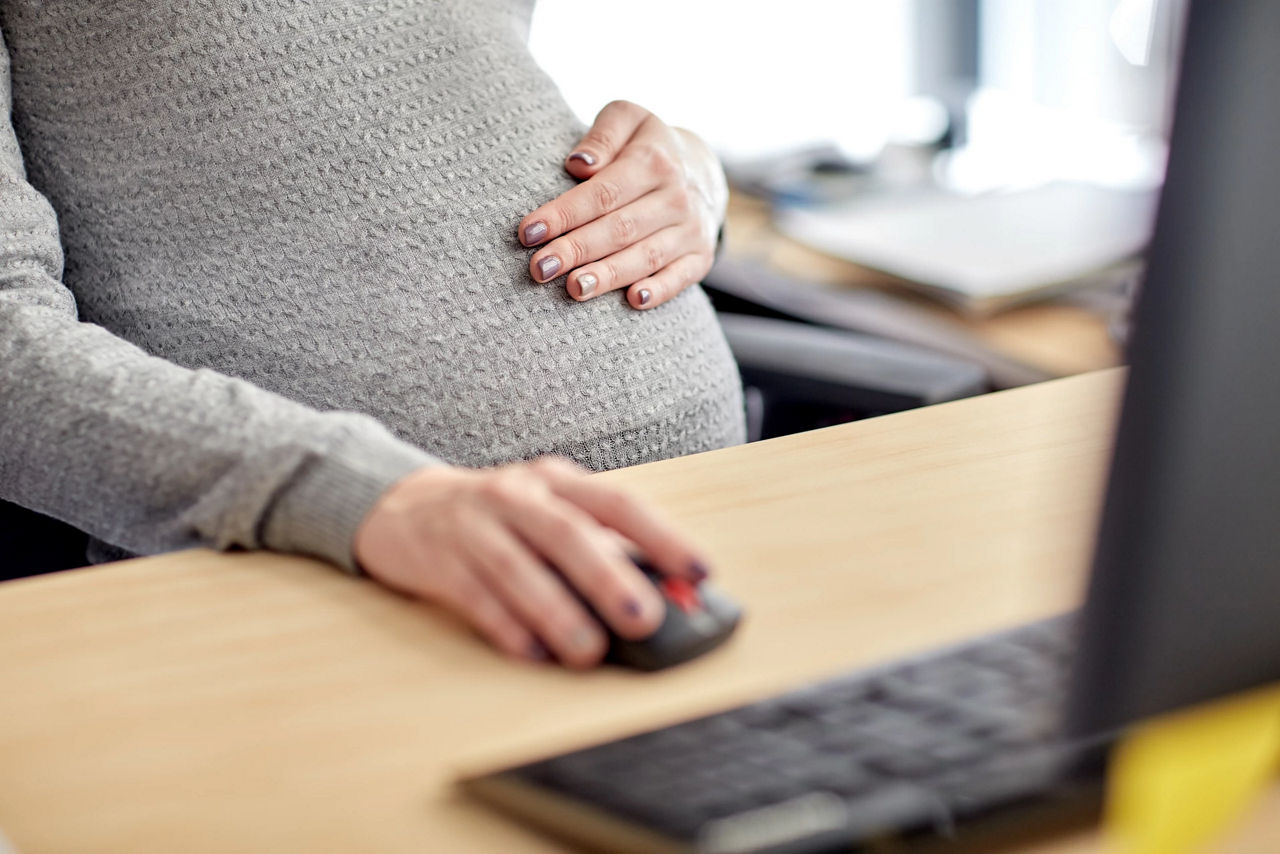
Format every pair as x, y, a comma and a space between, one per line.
711, 181
385, 527
333, 491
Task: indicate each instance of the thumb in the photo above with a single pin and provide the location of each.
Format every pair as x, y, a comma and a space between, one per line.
614, 126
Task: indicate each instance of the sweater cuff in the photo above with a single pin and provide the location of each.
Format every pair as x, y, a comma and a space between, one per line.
321, 509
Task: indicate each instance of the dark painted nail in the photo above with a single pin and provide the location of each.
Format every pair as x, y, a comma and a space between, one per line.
631, 607
698, 572
538, 652
535, 233
587, 159
645, 296
549, 266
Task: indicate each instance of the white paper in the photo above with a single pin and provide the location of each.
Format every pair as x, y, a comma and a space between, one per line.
986, 247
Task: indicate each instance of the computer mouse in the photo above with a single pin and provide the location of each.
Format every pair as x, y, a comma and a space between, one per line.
699, 618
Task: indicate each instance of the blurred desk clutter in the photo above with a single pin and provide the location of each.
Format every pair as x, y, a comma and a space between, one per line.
1043, 276
895, 328
988, 251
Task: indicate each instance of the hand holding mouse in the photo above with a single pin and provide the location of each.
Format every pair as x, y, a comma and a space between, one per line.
482, 542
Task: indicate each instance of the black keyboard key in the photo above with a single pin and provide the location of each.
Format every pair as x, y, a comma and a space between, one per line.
957, 750
823, 821
901, 763
839, 774
1000, 782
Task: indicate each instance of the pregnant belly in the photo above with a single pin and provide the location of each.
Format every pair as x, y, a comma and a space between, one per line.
441, 335
390, 282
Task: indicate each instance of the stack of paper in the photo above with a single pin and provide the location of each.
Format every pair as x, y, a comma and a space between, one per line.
983, 253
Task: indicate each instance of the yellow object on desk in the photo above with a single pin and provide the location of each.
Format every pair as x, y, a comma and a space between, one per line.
1181, 779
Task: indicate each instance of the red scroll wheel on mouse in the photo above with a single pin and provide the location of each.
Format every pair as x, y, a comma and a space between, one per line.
682, 593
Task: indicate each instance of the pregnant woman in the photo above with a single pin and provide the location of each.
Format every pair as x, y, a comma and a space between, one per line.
348, 279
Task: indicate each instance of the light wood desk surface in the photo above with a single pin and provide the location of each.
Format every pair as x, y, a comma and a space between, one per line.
204, 702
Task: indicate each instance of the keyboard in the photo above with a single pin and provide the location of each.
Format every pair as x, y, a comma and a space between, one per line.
911, 749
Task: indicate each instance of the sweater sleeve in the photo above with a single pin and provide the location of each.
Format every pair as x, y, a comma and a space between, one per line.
148, 455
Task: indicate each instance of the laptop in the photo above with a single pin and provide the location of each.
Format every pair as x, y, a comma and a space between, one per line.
1184, 598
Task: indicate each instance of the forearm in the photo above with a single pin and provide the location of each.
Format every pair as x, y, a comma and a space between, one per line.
153, 457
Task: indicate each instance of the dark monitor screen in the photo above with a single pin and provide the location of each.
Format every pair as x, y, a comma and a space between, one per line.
1184, 602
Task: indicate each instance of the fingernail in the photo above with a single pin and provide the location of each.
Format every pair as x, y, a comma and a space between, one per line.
534, 233
631, 608
549, 266
587, 159
539, 652
586, 284
645, 296
698, 571
583, 638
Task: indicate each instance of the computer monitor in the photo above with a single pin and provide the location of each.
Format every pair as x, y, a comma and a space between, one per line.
1184, 602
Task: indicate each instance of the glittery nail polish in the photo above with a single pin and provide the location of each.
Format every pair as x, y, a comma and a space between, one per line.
586, 284
548, 267
535, 233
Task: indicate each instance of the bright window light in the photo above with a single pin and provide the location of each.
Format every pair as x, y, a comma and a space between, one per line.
751, 77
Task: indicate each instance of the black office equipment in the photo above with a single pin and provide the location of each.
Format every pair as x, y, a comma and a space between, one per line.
698, 618
1184, 601
743, 287
911, 749
799, 377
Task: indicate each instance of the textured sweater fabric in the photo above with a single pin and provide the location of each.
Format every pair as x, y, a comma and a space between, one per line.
292, 273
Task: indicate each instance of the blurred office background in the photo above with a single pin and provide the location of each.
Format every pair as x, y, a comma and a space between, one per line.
854, 132
1052, 89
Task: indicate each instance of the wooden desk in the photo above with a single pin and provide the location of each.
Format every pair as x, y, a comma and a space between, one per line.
204, 702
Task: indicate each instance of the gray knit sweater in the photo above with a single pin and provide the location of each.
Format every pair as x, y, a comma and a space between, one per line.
291, 271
